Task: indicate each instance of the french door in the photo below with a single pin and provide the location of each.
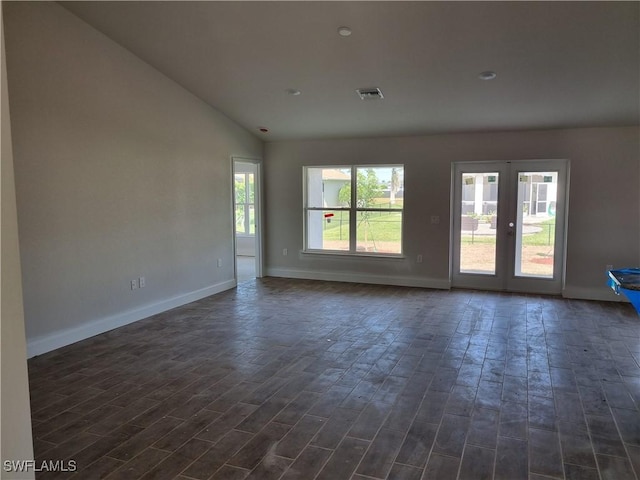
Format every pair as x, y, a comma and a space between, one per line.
508, 228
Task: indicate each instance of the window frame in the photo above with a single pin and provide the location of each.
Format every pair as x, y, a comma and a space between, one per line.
352, 210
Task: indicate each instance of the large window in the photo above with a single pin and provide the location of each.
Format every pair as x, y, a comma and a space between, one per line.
354, 209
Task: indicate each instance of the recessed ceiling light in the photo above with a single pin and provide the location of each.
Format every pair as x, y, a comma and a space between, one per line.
293, 91
344, 31
263, 129
488, 75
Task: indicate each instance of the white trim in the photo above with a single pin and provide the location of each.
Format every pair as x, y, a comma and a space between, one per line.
351, 255
52, 341
604, 294
399, 281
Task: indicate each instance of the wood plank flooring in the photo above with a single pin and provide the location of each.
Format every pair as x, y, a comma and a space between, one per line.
293, 379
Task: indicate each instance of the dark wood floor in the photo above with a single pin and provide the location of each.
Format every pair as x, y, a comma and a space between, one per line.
297, 379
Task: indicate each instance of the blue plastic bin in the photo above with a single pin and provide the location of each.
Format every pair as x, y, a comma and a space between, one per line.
627, 281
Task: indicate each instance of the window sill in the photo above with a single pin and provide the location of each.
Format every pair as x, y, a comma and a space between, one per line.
368, 255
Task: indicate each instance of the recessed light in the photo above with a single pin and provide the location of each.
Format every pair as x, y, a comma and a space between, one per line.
293, 91
344, 31
263, 129
488, 75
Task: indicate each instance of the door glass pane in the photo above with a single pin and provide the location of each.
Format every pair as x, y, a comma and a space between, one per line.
328, 230
536, 224
251, 188
478, 222
240, 187
240, 219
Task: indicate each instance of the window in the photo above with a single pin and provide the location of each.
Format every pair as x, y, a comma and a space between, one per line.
354, 209
245, 203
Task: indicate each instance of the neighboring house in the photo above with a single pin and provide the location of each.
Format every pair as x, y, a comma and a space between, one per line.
480, 194
332, 183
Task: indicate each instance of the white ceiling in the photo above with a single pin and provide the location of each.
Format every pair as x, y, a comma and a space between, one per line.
559, 64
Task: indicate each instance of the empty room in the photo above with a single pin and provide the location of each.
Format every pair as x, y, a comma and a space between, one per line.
342, 240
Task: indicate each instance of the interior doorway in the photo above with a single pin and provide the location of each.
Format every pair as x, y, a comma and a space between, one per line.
247, 216
508, 228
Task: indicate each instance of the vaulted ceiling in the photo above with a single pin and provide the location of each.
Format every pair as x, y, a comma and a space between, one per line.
558, 64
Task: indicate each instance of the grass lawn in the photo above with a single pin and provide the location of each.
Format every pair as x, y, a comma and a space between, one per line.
544, 237
378, 226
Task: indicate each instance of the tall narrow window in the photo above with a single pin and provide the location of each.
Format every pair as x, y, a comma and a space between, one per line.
354, 209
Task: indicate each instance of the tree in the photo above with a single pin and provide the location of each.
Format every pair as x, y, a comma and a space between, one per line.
368, 188
244, 197
241, 186
395, 185
241, 192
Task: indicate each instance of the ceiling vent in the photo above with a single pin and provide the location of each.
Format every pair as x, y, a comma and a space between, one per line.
370, 93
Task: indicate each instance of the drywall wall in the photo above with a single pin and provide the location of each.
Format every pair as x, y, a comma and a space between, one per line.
15, 412
120, 174
603, 226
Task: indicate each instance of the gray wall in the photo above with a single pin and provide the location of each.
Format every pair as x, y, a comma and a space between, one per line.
604, 203
15, 440
120, 173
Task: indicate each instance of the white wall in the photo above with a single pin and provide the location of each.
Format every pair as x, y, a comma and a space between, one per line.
120, 173
15, 412
604, 226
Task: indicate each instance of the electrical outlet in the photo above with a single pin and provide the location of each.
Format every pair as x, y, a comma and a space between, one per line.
134, 284
285, 252
609, 267
435, 219
219, 262
419, 259
142, 282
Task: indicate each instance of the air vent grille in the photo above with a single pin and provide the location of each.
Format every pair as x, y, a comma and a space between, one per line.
373, 93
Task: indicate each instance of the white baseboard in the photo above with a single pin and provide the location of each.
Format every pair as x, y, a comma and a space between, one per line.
399, 281
579, 293
603, 293
47, 343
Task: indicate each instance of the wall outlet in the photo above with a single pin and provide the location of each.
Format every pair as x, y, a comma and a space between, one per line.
285, 252
435, 219
609, 267
142, 282
134, 284
219, 262
419, 259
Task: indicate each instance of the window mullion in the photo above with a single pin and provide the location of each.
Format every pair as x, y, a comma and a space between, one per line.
353, 241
